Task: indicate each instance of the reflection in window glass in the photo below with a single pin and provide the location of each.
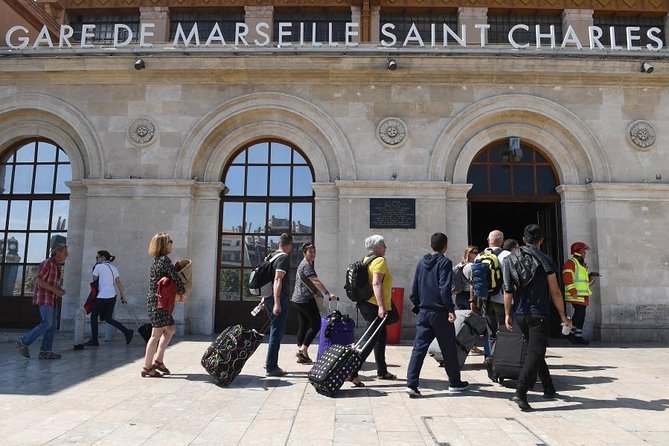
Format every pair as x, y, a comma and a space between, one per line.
256, 183
23, 179
477, 177
280, 153
545, 180
6, 172
278, 218
46, 153
523, 180
37, 248
256, 249
234, 181
26, 154
3, 212
302, 213
18, 215
279, 185
229, 283
256, 217
60, 212
302, 180
39, 215
232, 217
12, 276
44, 179
246, 295
31, 274
64, 174
258, 154
16, 247
231, 250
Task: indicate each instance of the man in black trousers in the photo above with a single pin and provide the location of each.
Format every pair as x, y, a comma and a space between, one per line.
431, 296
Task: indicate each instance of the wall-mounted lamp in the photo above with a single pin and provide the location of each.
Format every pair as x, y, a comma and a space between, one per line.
588, 180
195, 177
647, 68
108, 176
139, 64
658, 177
135, 177
392, 64
394, 176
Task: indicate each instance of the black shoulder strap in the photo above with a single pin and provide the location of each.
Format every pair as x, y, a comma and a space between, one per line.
369, 260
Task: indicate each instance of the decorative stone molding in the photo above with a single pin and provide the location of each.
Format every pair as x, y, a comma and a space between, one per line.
141, 131
642, 135
391, 132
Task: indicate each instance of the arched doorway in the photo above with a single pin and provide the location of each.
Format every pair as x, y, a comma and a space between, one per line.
34, 207
269, 192
513, 185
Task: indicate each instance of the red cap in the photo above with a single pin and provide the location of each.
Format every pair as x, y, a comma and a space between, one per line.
578, 247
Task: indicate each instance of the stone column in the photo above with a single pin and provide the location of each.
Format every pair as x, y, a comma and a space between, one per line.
666, 26
255, 15
456, 219
160, 17
580, 20
471, 17
326, 217
356, 18
375, 24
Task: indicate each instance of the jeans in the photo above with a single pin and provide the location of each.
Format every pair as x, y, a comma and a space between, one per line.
369, 313
276, 331
536, 331
46, 327
104, 308
494, 317
309, 322
428, 326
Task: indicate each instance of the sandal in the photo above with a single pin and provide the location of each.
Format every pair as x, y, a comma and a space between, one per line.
303, 359
151, 372
357, 383
158, 365
387, 376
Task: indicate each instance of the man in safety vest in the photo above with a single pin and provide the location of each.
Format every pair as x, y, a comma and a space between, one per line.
577, 281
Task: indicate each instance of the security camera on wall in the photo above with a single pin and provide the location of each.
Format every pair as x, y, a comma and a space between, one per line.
139, 64
392, 65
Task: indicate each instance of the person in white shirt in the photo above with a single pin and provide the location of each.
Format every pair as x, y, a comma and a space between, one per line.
108, 282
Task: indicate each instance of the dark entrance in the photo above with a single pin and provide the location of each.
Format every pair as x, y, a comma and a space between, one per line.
513, 186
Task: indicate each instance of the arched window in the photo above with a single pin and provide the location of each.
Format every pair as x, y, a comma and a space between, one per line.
34, 205
519, 174
268, 192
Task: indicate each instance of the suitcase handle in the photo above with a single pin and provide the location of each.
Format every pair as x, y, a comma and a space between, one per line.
374, 328
330, 305
132, 313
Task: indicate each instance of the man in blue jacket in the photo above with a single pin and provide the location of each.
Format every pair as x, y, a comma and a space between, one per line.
431, 296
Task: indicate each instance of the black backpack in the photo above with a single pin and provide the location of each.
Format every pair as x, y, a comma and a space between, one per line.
356, 286
523, 266
262, 275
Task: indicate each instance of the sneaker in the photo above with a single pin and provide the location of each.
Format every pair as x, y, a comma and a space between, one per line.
23, 349
551, 395
91, 343
522, 403
49, 355
128, 336
277, 372
463, 385
579, 340
413, 392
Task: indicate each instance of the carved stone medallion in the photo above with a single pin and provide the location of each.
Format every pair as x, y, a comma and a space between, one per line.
642, 135
391, 132
141, 131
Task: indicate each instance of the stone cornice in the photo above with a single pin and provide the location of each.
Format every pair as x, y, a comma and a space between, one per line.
630, 191
395, 189
137, 188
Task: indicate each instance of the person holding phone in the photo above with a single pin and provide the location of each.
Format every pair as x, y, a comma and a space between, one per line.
577, 281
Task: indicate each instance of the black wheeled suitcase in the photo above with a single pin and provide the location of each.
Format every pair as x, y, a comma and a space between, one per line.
509, 356
338, 362
468, 329
144, 330
226, 356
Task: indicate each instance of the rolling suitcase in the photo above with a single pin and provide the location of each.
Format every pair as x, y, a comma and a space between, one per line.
509, 356
339, 361
336, 329
144, 330
226, 356
468, 329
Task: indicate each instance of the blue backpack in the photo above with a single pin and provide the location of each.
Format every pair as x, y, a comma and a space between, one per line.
486, 274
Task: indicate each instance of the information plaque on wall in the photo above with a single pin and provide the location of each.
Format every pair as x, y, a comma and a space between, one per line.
392, 213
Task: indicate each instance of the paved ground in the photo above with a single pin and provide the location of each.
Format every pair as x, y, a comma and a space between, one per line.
612, 395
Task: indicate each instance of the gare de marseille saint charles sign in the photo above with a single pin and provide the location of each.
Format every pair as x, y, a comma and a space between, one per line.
17, 37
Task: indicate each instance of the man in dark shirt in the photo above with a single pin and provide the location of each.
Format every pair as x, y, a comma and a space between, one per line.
531, 283
277, 305
431, 295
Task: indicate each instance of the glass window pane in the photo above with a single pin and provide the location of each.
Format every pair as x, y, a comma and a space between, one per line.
302, 217
12, 275
62, 156
16, 247
239, 159
256, 217
298, 159
278, 218
523, 180
234, 181
546, 182
229, 284
36, 247
302, 180
481, 157
23, 179
61, 209
46, 153
57, 239
259, 153
231, 250
279, 181
246, 295
44, 179
26, 153
272, 244
256, 249
39, 215
232, 217
477, 176
64, 174
538, 157
500, 179
31, 274
256, 183
18, 214
280, 153
6, 178
3, 215
497, 153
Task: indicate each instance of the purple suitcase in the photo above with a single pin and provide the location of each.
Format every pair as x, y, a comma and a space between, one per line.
336, 329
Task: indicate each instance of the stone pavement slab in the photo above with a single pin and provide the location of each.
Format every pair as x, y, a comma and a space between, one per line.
612, 394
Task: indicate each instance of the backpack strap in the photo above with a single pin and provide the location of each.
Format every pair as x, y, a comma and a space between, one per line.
369, 260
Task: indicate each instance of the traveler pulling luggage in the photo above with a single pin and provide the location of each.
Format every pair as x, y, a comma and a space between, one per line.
340, 361
144, 330
336, 328
469, 327
509, 356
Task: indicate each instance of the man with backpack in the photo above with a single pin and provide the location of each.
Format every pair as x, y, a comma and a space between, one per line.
431, 296
530, 282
